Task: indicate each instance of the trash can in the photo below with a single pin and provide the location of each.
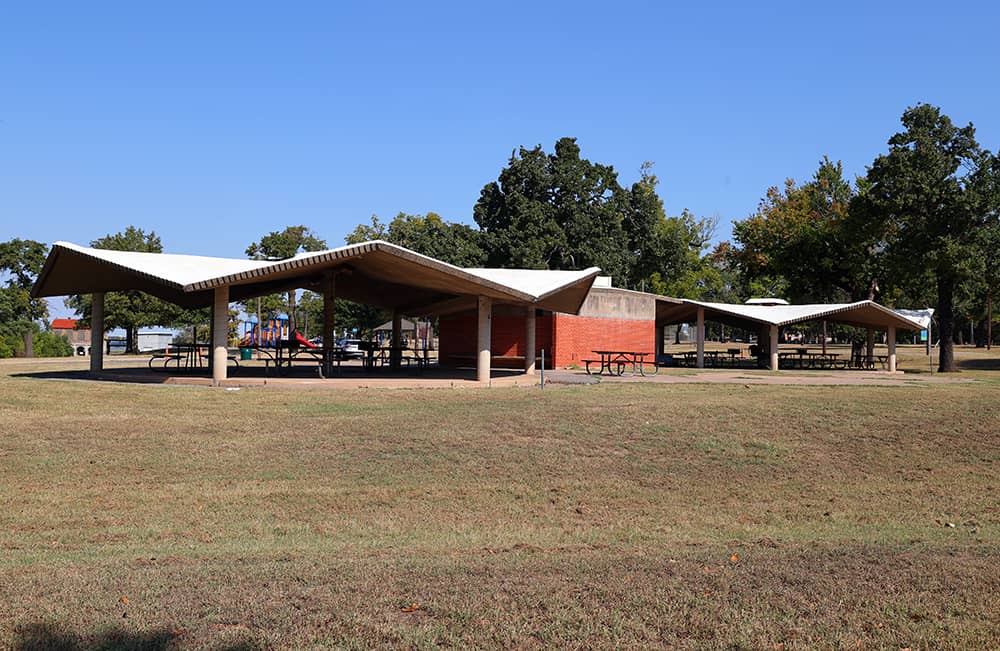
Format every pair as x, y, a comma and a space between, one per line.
246, 353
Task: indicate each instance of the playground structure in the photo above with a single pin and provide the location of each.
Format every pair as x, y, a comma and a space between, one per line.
273, 329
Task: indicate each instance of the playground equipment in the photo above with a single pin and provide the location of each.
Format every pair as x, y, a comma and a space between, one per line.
268, 334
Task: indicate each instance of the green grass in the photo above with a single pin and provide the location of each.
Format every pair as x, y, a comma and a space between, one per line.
604, 515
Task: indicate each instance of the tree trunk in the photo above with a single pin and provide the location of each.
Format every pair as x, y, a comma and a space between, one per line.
130, 337
989, 320
946, 326
29, 342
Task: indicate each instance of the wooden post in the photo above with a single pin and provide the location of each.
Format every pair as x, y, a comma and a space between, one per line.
891, 342
220, 334
529, 341
484, 358
97, 332
700, 339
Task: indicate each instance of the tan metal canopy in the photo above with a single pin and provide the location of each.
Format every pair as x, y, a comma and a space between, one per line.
376, 272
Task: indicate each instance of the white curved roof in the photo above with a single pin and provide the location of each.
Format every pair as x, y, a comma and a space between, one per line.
861, 313
377, 272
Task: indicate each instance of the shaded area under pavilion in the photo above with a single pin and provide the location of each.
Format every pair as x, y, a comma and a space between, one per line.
376, 273
768, 319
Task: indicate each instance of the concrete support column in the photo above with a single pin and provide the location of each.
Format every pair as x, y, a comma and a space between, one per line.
484, 358
870, 347
396, 341
774, 348
329, 305
529, 341
700, 339
891, 342
220, 334
97, 332
329, 325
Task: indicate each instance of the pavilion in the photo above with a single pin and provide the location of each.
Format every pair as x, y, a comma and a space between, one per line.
375, 272
768, 316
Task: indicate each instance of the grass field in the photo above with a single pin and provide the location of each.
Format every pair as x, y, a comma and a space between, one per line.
637, 515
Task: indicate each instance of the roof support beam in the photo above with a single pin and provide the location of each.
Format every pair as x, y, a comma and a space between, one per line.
773, 350
329, 312
484, 358
529, 341
891, 342
220, 334
700, 339
97, 333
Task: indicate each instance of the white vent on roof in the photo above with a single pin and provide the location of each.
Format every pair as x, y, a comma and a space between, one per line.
602, 281
766, 301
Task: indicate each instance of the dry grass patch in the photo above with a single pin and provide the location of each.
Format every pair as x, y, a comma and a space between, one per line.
629, 515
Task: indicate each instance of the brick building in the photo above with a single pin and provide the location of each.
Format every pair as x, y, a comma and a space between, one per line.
79, 338
610, 319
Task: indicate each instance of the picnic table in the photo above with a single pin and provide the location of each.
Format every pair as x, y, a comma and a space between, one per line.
187, 356
616, 361
382, 356
283, 356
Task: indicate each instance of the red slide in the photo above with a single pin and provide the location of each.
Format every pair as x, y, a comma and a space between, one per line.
302, 340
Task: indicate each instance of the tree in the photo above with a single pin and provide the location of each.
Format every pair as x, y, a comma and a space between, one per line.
21, 261
281, 245
131, 309
817, 237
456, 244
557, 211
934, 191
561, 211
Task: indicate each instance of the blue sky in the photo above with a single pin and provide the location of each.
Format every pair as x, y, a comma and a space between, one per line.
215, 123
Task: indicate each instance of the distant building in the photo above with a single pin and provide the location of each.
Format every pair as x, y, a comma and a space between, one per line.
79, 338
149, 340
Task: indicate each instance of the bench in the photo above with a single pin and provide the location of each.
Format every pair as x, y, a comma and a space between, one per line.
166, 357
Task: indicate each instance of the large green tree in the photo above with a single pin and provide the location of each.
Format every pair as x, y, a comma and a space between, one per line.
131, 309
935, 190
450, 242
281, 245
817, 237
20, 263
555, 211
562, 211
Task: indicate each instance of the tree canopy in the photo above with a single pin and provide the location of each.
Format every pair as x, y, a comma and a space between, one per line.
816, 237
935, 190
450, 242
562, 211
281, 245
20, 263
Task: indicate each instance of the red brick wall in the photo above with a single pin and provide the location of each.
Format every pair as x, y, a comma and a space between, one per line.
567, 339
576, 337
459, 338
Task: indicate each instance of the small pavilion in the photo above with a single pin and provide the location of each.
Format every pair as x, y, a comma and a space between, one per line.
376, 273
768, 316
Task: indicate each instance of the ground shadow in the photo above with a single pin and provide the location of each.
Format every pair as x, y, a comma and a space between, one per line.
52, 637
144, 375
136, 375
984, 364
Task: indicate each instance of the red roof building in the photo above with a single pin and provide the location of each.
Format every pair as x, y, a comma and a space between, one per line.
67, 327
